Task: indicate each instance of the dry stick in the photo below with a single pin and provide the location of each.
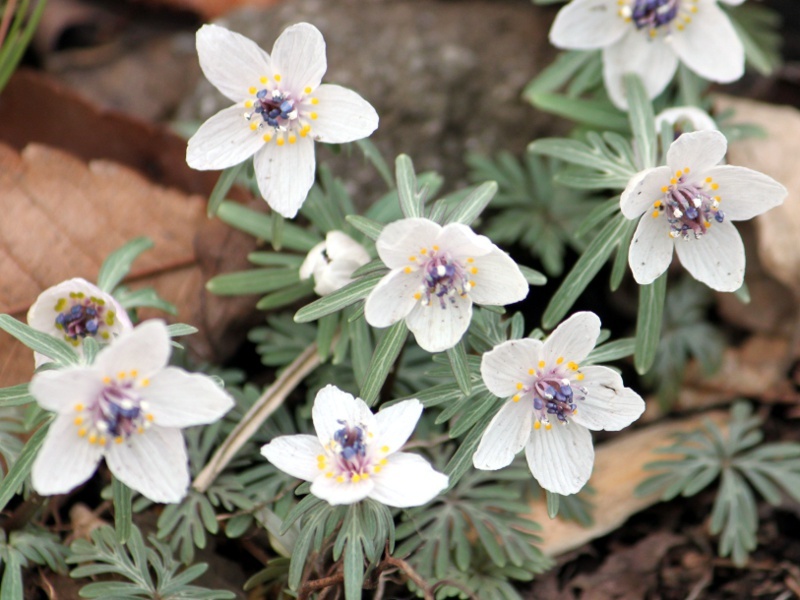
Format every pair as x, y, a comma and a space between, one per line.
267, 404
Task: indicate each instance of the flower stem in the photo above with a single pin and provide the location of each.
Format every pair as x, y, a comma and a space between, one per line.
272, 398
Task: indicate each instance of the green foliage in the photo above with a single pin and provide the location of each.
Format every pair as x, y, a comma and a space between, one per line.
147, 573
757, 27
19, 548
22, 25
742, 462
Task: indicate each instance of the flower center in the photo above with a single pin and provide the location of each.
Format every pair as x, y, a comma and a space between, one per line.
79, 316
349, 457
553, 392
690, 208
285, 114
656, 16
117, 412
443, 276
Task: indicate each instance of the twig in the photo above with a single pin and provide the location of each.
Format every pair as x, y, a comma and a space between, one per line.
267, 404
406, 568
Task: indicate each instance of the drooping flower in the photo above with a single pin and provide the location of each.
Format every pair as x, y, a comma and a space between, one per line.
649, 37
436, 274
683, 119
127, 407
74, 310
280, 110
689, 205
552, 404
333, 261
355, 453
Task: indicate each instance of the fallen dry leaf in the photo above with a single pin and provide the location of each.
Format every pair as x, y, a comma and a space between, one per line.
62, 217
618, 469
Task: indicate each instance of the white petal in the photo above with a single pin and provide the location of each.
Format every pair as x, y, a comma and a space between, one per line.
345, 492
709, 45
438, 327
587, 24
561, 458
405, 238
608, 405
223, 141
315, 259
396, 423
392, 299
697, 119
59, 391
462, 242
573, 339
733, 2
65, 460
180, 399
643, 190
746, 193
407, 480
651, 59
230, 61
341, 246
285, 174
717, 259
697, 150
506, 434
498, 281
146, 350
651, 249
295, 455
153, 463
342, 115
507, 364
334, 409
335, 276
298, 56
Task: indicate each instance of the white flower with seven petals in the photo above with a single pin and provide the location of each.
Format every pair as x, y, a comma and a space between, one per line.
553, 403
333, 261
127, 407
436, 274
355, 453
649, 37
689, 205
74, 310
280, 110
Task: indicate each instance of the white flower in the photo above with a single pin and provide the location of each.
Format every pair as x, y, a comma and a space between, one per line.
681, 206
553, 403
649, 37
355, 453
280, 109
76, 309
683, 119
333, 261
436, 274
128, 407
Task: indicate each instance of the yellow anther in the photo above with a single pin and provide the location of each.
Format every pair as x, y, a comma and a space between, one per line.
315, 101
520, 386
686, 169
575, 411
412, 258
62, 302
79, 407
121, 375
435, 248
474, 270
573, 365
541, 364
673, 181
277, 77
657, 204
707, 224
385, 449
340, 479
580, 376
365, 476
140, 429
307, 90
417, 296
102, 440
248, 104
280, 141
267, 138
313, 116
92, 439
515, 397
680, 26
687, 19
329, 474
693, 8
472, 283
718, 198
376, 469
559, 360
263, 79
134, 373
321, 457
470, 260
253, 126
118, 439
423, 251
292, 139
304, 130
548, 427
709, 180
252, 90
714, 186
656, 214
678, 173
106, 379
150, 417
653, 33
144, 382
82, 432
105, 335
78, 420
537, 425
407, 270
355, 478
384, 462
531, 372
665, 189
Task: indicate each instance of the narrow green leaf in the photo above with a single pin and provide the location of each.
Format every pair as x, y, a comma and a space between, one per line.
260, 225
373, 155
472, 206
287, 295
611, 351
584, 270
642, 120
552, 503
326, 329
11, 588
407, 187
386, 353
599, 214
353, 569
180, 329
123, 515
254, 281
372, 229
349, 294
118, 263
532, 276
648, 323
40, 342
222, 187
143, 297
458, 362
558, 72
16, 395
595, 113
22, 467
620, 264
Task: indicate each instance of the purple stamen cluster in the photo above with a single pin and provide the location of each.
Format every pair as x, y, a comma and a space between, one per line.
690, 210
119, 410
82, 319
444, 278
650, 14
554, 395
275, 108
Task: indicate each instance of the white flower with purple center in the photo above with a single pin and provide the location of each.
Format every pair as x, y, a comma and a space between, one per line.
436, 274
355, 453
127, 407
74, 310
280, 110
650, 37
689, 205
333, 261
552, 404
